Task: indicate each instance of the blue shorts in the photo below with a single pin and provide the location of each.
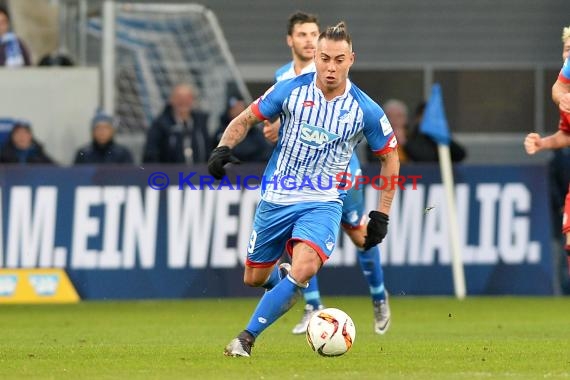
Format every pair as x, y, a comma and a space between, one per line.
353, 204
276, 226
353, 209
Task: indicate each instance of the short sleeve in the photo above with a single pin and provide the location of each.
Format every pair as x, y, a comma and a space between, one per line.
270, 104
378, 130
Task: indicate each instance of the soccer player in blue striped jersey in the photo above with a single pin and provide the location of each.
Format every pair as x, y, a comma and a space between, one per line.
302, 34
323, 117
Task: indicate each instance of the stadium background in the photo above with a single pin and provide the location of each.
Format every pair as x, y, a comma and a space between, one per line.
496, 61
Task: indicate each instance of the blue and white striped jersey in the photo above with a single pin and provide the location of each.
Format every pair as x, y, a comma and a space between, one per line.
317, 137
287, 71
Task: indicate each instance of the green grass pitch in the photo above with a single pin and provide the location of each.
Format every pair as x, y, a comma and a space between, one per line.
430, 338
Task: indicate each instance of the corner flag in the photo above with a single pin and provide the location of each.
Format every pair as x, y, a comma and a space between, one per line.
434, 122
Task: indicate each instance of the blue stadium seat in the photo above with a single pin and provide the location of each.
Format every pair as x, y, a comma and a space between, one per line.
6, 125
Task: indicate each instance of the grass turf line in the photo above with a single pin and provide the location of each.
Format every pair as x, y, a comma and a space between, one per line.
430, 338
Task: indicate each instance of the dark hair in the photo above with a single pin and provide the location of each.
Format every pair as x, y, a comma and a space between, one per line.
339, 32
22, 123
55, 59
420, 108
300, 18
4, 10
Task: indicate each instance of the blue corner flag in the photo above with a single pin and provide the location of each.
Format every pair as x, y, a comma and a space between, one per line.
434, 122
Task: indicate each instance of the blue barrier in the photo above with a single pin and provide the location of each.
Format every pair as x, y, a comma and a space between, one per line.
6, 125
119, 239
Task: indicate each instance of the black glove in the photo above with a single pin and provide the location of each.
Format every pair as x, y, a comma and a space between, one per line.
218, 158
376, 230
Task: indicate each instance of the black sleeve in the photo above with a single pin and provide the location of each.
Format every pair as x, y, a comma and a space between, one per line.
79, 157
127, 156
152, 147
201, 130
43, 158
420, 148
208, 138
457, 151
25, 53
558, 186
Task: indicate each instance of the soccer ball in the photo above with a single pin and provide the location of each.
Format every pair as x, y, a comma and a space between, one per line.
331, 332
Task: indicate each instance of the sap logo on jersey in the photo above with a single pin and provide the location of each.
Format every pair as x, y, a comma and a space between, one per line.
316, 136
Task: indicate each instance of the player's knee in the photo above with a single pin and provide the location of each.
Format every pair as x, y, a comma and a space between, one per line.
303, 273
252, 280
253, 283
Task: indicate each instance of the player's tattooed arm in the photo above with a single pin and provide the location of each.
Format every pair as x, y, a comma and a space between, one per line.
390, 170
237, 128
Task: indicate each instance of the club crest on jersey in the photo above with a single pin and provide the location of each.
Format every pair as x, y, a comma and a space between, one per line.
343, 115
352, 216
329, 243
316, 136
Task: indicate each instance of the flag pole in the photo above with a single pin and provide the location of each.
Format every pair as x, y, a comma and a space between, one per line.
448, 184
434, 124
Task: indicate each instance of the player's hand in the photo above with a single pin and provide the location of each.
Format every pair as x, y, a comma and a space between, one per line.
218, 158
271, 131
532, 143
376, 230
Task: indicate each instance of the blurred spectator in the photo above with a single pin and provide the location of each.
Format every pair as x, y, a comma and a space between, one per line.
13, 51
179, 134
22, 148
55, 59
254, 148
421, 148
103, 149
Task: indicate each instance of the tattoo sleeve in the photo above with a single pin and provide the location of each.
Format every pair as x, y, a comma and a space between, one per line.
237, 128
390, 171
